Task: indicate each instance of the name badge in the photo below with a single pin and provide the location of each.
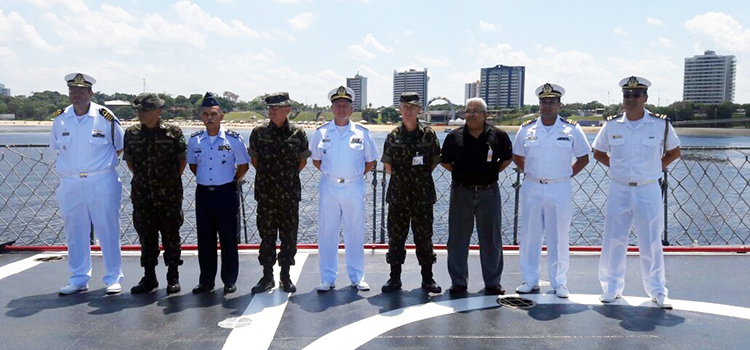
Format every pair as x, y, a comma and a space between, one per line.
65, 133
356, 140
616, 136
418, 160
564, 138
326, 140
532, 138
489, 155
225, 148
197, 150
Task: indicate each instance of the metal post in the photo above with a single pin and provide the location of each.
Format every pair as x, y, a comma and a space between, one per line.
242, 211
665, 196
374, 199
91, 238
382, 210
517, 187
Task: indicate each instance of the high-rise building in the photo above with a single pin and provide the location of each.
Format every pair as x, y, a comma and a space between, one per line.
471, 90
3, 90
709, 78
502, 86
359, 85
410, 81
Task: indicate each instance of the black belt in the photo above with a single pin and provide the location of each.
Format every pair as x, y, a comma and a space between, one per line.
212, 188
475, 188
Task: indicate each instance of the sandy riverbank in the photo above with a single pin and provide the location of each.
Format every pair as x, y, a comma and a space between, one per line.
438, 128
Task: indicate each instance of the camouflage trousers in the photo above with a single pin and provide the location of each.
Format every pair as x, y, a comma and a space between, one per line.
420, 218
149, 219
282, 219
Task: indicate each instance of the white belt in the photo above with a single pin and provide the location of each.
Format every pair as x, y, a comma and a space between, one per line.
342, 180
545, 181
83, 175
635, 183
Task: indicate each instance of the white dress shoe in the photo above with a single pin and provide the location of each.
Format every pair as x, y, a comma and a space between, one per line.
562, 292
325, 286
72, 288
609, 298
662, 301
525, 288
362, 285
114, 288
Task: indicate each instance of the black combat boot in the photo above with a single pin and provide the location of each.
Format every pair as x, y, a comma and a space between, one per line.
394, 283
173, 280
266, 282
429, 284
147, 283
286, 280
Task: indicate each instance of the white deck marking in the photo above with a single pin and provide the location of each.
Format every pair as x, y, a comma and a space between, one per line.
21, 265
264, 312
359, 333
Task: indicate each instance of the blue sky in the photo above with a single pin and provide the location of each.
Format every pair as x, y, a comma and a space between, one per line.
307, 47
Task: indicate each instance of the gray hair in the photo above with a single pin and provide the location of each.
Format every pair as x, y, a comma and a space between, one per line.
477, 100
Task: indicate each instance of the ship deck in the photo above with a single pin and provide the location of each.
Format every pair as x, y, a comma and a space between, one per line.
710, 296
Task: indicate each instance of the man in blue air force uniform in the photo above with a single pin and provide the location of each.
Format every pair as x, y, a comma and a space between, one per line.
218, 158
88, 139
544, 150
344, 152
636, 146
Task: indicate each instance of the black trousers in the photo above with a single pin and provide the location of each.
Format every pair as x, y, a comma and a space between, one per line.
216, 209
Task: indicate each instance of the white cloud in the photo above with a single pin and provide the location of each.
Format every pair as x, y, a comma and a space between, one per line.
195, 16
301, 21
359, 53
655, 22
663, 42
408, 32
500, 53
619, 31
14, 27
433, 62
720, 30
487, 27
369, 40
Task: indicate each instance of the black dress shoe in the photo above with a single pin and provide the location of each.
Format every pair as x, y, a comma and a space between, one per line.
455, 289
287, 286
230, 288
494, 290
173, 287
144, 286
202, 288
391, 286
432, 287
265, 283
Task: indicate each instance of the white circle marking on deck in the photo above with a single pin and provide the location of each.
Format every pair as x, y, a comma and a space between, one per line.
359, 333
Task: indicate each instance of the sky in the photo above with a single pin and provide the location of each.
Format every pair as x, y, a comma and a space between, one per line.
308, 47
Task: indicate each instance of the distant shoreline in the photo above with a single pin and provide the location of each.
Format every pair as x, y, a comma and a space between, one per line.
389, 127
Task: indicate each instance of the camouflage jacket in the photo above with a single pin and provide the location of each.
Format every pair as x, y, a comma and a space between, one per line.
278, 151
412, 155
155, 156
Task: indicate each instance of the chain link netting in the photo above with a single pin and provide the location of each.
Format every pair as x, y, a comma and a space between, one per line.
706, 205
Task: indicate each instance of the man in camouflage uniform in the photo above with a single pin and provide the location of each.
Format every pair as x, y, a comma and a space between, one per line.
155, 153
410, 153
278, 151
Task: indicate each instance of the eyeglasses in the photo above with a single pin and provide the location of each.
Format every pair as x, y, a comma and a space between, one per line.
474, 111
636, 94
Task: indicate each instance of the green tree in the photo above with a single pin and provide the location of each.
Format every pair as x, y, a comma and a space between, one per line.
389, 114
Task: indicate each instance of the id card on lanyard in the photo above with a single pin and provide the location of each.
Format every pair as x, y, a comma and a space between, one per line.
489, 153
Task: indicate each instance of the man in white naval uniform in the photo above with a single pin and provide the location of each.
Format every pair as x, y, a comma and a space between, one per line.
544, 149
636, 146
88, 139
344, 152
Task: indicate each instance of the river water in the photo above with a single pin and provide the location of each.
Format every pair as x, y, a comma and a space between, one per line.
706, 206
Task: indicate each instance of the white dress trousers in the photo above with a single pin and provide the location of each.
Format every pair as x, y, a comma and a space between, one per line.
90, 190
343, 152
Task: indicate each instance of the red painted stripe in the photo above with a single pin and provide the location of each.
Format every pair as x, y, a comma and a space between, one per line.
673, 249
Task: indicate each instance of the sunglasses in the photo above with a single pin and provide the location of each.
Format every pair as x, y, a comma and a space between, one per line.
632, 94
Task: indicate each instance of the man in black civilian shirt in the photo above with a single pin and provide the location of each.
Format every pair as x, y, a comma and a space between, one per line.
475, 154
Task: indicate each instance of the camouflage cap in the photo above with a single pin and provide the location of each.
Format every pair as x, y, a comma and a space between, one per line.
278, 99
148, 101
411, 98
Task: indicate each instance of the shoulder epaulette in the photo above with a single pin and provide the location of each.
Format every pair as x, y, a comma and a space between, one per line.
57, 113
570, 121
612, 117
361, 126
197, 133
661, 116
324, 125
528, 122
232, 133
107, 115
